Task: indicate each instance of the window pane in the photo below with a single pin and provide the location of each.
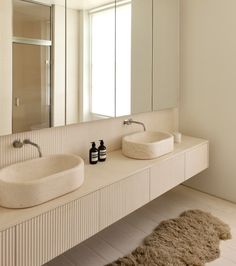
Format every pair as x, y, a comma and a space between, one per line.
31, 20
103, 62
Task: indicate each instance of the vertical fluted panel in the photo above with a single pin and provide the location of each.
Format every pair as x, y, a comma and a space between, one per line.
136, 189
121, 198
166, 174
50, 142
7, 247
112, 207
44, 237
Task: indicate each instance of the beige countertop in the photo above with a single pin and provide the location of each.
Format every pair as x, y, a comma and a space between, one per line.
116, 168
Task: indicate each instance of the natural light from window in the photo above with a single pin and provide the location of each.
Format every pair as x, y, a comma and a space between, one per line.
110, 74
123, 60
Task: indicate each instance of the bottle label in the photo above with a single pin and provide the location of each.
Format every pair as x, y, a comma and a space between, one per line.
94, 156
103, 154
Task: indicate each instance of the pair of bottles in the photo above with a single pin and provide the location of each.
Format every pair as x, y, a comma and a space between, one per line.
97, 154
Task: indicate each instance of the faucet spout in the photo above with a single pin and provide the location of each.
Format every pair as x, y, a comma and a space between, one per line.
27, 141
131, 121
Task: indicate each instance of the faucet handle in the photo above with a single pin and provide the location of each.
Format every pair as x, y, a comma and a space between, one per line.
17, 143
131, 121
128, 121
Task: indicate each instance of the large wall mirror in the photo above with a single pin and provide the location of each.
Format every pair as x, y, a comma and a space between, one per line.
32, 52
70, 61
109, 58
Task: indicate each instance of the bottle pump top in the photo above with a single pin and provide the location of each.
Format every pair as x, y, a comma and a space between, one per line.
102, 152
93, 144
93, 154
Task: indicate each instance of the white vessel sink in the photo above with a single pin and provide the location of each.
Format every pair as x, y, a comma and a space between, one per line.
39, 180
147, 145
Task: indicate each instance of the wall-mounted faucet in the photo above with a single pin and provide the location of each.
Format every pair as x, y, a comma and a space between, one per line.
19, 144
131, 121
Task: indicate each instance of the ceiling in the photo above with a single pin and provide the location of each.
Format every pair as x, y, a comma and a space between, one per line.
78, 4
87, 4
28, 11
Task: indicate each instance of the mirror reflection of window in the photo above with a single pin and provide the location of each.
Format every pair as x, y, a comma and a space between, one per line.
103, 62
123, 59
111, 60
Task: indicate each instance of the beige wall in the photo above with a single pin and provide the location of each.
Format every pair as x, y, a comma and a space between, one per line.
208, 95
5, 67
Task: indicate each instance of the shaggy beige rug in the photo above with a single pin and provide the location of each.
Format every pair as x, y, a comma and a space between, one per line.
191, 239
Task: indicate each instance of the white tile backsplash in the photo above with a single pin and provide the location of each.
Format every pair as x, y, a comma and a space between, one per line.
76, 138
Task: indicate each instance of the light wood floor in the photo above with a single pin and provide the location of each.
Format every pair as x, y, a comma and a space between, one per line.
123, 236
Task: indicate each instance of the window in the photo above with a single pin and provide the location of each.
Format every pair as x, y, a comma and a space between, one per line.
111, 60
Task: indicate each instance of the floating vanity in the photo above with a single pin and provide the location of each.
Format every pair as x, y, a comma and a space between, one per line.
111, 190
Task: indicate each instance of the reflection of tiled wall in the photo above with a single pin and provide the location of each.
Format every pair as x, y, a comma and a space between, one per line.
76, 138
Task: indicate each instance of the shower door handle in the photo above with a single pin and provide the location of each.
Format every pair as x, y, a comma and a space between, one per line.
17, 101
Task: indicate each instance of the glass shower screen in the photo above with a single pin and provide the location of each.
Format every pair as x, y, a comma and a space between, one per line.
31, 66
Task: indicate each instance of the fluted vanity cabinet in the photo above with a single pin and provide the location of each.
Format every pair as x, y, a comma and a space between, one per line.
173, 171
112, 190
122, 198
7, 247
196, 160
48, 235
166, 174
